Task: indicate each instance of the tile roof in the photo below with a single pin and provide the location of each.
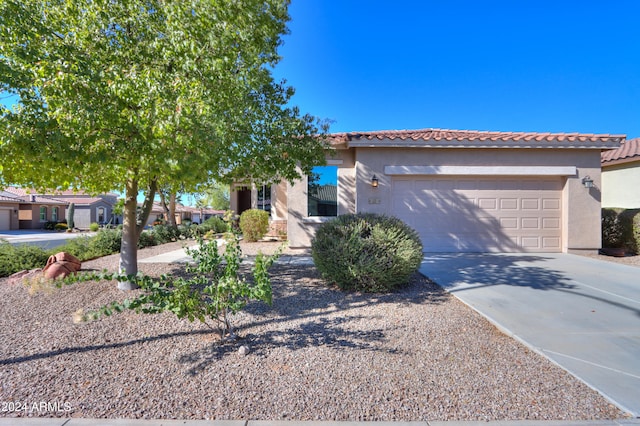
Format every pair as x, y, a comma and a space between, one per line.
628, 151
26, 196
473, 136
10, 197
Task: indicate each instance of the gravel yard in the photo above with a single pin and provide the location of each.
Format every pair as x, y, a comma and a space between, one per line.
317, 353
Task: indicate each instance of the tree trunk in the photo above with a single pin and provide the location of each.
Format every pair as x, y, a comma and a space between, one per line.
131, 230
129, 246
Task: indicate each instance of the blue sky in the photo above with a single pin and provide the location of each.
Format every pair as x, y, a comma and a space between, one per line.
544, 66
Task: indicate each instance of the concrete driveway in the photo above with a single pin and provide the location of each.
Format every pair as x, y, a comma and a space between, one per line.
44, 239
582, 313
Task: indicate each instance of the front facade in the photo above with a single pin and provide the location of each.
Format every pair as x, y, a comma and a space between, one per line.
9, 207
463, 191
621, 176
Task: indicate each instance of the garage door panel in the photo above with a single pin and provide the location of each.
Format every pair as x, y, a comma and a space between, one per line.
5, 219
483, 214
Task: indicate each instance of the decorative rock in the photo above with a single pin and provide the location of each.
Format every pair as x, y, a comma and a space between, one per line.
243, 350
60, 265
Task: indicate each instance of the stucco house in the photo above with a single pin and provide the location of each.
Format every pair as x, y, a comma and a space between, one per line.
35, 210
90, 209
463, 191
9, 208
621, 176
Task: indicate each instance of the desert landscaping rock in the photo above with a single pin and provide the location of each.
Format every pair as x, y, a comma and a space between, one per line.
315, 354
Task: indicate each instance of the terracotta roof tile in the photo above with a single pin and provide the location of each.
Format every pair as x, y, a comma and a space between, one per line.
628, 151
473, 135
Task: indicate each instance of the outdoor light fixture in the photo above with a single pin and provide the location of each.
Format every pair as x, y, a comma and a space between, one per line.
587, 182
374, 181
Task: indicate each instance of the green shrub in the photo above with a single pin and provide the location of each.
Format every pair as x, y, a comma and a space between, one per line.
16, 258
147, 239
185, 231
80, 247
61, 227
49, 225
366, 252
93, 227
165, 234
621, 228
254, 224
106, 241
214, 224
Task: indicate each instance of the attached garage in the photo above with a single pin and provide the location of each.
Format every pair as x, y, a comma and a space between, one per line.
486, 214
5, 219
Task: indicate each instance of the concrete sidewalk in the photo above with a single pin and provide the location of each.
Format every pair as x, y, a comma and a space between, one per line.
127, 422
581, 313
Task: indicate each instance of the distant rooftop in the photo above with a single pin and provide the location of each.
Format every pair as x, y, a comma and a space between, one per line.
628, 151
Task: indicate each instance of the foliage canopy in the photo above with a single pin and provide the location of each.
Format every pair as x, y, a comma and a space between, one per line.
140, 94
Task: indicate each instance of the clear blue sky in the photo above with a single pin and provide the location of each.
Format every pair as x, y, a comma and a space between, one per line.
518, 65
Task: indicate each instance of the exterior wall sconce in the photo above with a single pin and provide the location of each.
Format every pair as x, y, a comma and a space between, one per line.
374, 181
587, 182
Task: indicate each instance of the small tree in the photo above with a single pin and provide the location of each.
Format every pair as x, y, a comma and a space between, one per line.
174, 94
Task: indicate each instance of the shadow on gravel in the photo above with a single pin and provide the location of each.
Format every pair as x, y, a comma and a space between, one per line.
320, 316
89, 348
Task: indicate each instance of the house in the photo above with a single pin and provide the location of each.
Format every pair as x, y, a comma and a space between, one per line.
35, 210
621, 176
9, 208
463, 191
90, 209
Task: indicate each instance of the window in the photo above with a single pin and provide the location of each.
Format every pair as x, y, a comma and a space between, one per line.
54, 214
264, 198
323, 191
101, 215
43, 214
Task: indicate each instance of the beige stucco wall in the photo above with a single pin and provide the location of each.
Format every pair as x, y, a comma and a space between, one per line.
581, 209
621, 185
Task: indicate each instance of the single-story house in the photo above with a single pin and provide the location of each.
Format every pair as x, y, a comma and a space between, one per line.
9, 208
90, 209
35, 210
463, 191
621, 176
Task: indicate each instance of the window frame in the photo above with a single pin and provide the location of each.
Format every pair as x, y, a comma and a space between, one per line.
328, 210
43, 213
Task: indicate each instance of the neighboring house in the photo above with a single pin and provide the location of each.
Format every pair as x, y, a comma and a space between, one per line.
621, 176
35, 210
9, 208
90, 209
463, 191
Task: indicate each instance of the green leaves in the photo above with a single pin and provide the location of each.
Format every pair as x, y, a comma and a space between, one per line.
216, 289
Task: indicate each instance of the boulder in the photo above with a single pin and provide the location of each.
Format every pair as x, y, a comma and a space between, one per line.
60, 265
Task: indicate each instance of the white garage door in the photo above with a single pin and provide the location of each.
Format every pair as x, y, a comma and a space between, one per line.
457, 214
5, 220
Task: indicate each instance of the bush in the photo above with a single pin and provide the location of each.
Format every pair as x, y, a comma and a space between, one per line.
107, 241
16, 258
80, 247
147, 239
621, 228
366, 252
215, 225
93, 227
254, 224
165, 234
61, 226
49, 225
